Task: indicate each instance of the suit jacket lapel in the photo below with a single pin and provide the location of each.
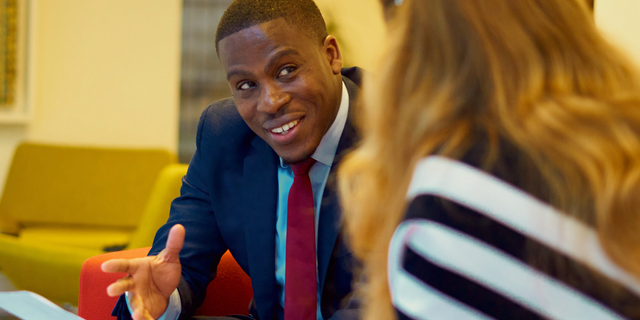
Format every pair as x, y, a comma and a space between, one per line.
260, 194
330, 221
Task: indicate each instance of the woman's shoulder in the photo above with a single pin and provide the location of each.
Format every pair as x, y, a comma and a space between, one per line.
465, 246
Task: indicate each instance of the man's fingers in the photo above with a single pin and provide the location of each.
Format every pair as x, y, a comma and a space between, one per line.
120, 265
120, 287
174, 244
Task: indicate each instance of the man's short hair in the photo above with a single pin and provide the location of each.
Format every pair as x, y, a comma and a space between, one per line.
243, 14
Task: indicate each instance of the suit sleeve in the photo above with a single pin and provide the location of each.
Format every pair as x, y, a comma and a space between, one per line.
204, 245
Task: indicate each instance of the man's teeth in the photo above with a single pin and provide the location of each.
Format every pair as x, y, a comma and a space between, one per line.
284, 129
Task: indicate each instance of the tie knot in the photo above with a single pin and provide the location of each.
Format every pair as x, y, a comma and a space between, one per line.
302, 167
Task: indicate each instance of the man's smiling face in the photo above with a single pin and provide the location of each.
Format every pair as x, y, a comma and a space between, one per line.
287, 86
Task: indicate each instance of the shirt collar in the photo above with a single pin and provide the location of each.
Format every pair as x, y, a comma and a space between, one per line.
326, 150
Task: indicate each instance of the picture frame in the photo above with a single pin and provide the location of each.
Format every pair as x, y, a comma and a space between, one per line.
16, 61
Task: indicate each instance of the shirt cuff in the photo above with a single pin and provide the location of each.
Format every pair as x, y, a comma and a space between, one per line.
173, 309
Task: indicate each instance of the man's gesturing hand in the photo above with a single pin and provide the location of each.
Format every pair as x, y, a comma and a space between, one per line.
151, 279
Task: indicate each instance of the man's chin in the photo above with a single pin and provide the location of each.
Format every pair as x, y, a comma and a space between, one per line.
293, 158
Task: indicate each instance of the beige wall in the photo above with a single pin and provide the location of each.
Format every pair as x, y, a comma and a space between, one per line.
359, 27
106, 73
620, 21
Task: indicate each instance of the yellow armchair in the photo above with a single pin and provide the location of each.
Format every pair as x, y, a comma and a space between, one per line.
62, 205
156, 213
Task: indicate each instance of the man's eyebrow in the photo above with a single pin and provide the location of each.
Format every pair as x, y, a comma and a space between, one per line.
279, 55
240, 73
270, 64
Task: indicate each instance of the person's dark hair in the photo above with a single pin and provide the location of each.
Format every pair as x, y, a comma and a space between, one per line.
243, 14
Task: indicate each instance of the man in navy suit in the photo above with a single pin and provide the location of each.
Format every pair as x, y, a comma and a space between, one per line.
291, 102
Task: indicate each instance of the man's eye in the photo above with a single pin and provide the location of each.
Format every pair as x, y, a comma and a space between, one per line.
245, 86
286, 71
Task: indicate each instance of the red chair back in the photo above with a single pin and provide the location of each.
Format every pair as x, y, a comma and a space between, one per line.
229, 293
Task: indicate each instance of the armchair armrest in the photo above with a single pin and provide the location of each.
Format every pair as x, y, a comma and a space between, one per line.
229, 293
156, 212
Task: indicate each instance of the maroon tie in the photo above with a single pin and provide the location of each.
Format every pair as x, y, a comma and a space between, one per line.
300, 293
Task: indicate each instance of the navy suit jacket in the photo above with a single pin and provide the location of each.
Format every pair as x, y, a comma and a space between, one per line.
228, 201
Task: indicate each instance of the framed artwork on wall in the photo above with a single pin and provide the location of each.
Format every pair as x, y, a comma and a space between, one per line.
15, 60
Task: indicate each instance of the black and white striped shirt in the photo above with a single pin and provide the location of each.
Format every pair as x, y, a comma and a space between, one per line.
464, 252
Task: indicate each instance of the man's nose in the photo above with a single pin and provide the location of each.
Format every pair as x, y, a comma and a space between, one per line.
273, 98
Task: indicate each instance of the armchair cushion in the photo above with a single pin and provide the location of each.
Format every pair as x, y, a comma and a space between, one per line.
78, 237
63, 204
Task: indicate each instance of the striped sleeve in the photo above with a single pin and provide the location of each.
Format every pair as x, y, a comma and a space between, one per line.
462, 254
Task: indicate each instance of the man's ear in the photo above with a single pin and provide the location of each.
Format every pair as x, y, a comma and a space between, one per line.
331, 49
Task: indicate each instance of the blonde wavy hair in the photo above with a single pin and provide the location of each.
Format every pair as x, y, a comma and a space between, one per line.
533, 73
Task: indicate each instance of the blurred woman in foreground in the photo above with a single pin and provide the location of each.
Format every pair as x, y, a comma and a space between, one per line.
529, 92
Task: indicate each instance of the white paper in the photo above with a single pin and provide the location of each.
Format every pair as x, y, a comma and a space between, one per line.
27, 305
